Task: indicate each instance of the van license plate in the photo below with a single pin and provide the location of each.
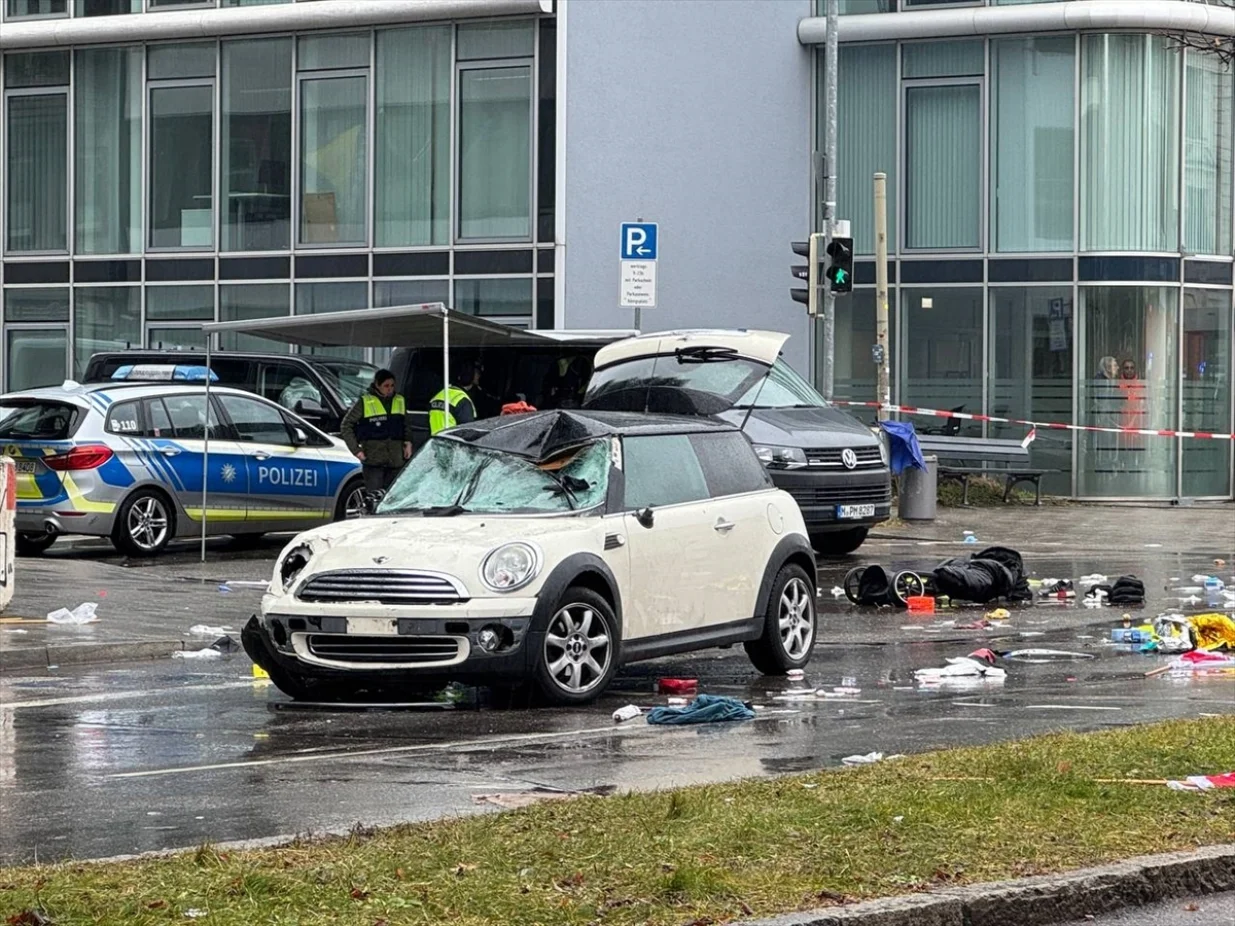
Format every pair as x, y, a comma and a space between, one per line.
26, 466
845, 512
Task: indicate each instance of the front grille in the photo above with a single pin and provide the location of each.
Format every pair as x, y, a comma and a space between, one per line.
830, 456
387, 586
369, 650
842, 495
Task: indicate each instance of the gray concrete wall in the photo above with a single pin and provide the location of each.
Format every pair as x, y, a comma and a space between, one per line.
695, 114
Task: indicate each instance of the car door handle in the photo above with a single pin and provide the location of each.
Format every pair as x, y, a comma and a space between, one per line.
261, 455
722, 526
169, 452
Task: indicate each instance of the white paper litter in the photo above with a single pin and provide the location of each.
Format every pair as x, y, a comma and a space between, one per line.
1045, 655
82, 614
1094, 579
837, 591
869, 759
961, 667
197, 654
205, 630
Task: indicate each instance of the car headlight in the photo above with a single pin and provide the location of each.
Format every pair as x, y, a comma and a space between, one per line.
292, 564
781, 457
510, 566
883, 449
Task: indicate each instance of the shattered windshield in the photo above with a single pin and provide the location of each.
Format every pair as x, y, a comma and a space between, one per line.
449, 477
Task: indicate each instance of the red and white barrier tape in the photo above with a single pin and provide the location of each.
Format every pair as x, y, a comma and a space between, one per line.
1034, 425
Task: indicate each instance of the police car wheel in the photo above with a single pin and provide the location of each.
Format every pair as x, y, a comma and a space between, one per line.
145, 524
34, 544
351, 502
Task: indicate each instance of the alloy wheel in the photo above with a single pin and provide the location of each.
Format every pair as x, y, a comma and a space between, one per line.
354, 507
578, 648
797, 619
148, 523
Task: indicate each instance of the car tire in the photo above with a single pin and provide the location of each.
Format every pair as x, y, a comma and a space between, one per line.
246, 541
145, 524
351, 501
838, 543
29, 544
579, 649
789, 624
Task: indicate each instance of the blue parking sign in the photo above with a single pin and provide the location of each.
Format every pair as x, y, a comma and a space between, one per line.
638, 241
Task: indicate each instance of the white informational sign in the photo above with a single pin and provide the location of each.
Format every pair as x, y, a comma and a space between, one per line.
638, 284
1058, 325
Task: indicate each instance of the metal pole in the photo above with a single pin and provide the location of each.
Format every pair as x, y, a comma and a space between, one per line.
206, 447
829, 192
445, 363
882, 360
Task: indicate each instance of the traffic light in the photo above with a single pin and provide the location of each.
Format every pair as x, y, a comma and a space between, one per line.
808, 295
840, 268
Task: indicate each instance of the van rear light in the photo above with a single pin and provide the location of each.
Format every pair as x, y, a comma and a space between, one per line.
91, 456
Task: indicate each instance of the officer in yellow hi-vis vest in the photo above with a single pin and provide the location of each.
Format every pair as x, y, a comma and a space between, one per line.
379, 432
461, 409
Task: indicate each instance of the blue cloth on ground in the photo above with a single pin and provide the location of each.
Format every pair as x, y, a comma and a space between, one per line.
704, 709
903, 446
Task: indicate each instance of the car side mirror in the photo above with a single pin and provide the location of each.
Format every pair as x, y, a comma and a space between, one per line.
299, 437
309, 408
646, 517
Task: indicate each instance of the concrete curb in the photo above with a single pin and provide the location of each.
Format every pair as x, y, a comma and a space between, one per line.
78, 654
1039, 901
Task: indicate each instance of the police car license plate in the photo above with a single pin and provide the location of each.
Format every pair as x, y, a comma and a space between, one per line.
26, 466
845, 512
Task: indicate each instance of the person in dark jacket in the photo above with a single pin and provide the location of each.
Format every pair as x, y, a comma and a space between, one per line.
378, 431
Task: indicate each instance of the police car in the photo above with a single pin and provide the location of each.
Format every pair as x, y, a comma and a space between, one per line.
126, 460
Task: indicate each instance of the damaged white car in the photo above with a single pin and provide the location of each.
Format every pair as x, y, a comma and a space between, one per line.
548, 548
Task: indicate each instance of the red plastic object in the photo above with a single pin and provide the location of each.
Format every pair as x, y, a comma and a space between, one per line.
517, 408
678, 685
921, 604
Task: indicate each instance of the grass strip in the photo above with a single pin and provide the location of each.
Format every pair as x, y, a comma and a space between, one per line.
700, 855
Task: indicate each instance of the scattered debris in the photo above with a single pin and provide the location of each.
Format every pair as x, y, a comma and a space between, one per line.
516, 799
629, 712
82, 614
1045, 655
677, 686
959, 668
869, 759
206, 653
837, 591
704, 709
204, 630
1203, 782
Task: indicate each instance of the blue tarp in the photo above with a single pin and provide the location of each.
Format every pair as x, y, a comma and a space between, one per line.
704, 709
903, 446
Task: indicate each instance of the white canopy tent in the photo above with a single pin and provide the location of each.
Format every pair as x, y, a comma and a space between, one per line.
424, 325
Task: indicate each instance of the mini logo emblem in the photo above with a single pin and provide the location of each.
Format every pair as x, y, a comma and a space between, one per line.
849, 458
379, 560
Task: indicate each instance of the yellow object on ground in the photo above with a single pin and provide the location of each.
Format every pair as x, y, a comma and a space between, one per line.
1213, 631
259, 672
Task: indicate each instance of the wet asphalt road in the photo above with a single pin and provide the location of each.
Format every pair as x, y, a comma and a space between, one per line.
100, 761
1215, 910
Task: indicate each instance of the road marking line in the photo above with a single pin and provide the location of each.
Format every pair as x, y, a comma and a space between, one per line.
492, 743
118, 695
1069, 707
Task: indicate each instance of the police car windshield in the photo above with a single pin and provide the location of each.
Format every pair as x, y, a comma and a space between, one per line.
349, 379
449, 476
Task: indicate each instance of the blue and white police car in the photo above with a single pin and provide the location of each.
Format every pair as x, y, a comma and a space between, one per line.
126, 460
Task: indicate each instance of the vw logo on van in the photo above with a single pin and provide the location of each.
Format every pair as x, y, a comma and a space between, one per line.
849, 458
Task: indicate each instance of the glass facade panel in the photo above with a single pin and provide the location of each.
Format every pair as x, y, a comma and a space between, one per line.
478, 41
1130, 150
1207, 156
857, 7
413, 136
106, 7
510, 299
332, 297
1128, 379
38, 172
944, 181
104, 318
36, 305
941, 354
181, 153
247, 302
334, 52
856, 376
252, 2
388, 293
37, 357
495, 155
176, 62
333, 159
944, 59
36, 69
175, 339
1032, 145
180, 303
1206, 385
108, 127
1030, 373
16, 8
866, 137
257, 145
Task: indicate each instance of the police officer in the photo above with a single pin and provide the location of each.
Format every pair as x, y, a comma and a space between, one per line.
462, 409
378, 431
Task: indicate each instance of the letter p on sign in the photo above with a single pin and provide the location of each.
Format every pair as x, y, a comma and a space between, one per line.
638, 241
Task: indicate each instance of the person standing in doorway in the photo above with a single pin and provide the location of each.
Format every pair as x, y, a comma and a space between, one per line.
378, 431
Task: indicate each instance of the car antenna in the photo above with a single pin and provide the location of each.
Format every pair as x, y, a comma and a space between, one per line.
755, 401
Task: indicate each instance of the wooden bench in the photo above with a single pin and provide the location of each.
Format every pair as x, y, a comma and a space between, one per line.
1011, 456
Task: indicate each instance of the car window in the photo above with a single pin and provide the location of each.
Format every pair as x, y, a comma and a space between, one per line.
38, 420
315, 438
188, 418
783, 388
662, 471
729, 464
157, 420
274, 377
350, 379
125, 418
694, 383
255, 422
296, 391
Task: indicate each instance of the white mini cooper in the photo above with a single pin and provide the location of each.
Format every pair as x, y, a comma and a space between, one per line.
550, 547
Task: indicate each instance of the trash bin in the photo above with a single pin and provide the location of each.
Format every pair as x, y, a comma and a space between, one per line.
918, 490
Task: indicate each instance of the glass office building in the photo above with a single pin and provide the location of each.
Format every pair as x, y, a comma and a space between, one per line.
152, 185
1060, 231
